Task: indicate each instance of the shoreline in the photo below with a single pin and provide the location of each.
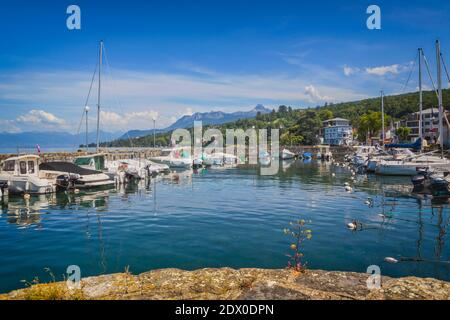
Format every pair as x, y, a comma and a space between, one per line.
237, 284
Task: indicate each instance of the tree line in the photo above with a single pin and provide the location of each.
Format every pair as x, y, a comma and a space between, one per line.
302, 125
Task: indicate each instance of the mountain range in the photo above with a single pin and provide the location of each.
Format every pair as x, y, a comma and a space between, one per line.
29, 140
207, 118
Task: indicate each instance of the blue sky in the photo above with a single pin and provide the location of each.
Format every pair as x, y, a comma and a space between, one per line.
170, 58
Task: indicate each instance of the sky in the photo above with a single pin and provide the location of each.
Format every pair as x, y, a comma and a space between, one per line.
166, 59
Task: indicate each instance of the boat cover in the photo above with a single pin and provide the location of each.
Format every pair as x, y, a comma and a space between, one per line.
416, 145
66, 167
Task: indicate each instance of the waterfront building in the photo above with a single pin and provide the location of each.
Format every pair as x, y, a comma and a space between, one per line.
337, 131
430, 125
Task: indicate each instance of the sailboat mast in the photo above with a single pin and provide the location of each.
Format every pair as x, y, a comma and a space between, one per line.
99, 92
382, 119
87, 128
420, 98
439, 84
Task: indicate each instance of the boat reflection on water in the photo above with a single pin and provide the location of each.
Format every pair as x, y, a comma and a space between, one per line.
286, 164
28, 211
24, 212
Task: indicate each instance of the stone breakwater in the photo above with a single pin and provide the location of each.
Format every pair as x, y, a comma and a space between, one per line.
142, 153
242, 284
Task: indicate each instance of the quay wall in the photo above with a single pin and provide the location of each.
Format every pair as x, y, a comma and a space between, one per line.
145, 153
138, 153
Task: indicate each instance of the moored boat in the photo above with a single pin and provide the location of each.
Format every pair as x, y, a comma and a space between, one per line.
68, 175
286, 154
178, 157
22, 174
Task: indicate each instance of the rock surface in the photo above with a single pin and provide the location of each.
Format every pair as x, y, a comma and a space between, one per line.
243, 284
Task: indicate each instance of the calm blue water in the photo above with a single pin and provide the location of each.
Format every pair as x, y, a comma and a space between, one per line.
224, 218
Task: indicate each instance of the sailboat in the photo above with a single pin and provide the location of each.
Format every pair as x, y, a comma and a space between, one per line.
123, 170
410, 165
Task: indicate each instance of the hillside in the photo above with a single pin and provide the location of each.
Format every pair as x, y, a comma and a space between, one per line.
302, 125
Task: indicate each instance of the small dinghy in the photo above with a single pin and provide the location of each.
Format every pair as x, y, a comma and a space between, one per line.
287, 155
307, 155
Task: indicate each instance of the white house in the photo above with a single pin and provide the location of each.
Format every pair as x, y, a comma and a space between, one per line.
337, 132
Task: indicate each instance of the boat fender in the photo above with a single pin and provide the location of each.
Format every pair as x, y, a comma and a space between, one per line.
76, 191
333, 174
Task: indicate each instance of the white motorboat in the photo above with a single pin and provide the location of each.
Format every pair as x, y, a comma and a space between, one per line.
409, 166
286, 154
68, 175
21, 174
175, 158
393, 154
219, 159
157, 168
362, 154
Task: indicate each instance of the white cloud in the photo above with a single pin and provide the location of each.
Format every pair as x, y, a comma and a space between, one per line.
348, 71
314, 95
188, 112
383, 70
113, 121
9, 126
40, 117
125, 102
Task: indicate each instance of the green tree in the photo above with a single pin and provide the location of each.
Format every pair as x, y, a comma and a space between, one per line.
403, 133
370, 123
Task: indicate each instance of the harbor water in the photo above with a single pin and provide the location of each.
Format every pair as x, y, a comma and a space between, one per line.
226, 218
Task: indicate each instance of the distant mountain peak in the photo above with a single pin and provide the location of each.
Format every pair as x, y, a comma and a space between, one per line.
261, 108
207, 118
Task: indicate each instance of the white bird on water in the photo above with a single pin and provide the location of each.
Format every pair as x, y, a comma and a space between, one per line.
390, 260
348, 189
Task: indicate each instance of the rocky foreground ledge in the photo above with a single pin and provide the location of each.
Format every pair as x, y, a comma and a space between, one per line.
240, 284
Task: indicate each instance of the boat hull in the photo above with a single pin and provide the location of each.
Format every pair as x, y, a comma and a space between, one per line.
405, 169
30, 185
